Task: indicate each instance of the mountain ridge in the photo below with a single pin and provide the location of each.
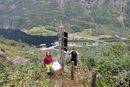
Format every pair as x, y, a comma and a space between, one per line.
103, 16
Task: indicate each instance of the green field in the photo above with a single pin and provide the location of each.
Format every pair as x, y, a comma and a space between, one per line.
42, 30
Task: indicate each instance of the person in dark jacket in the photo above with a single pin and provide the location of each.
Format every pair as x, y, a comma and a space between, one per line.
74, 56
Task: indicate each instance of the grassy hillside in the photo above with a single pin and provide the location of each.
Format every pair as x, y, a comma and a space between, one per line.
21, 65
111, 62
15, 71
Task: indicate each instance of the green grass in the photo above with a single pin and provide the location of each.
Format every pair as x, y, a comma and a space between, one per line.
42, 30
112, 63
30, 74
83, 33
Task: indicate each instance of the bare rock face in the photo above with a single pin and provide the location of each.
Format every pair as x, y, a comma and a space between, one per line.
120, 6
128, 8
18, 60
13, 60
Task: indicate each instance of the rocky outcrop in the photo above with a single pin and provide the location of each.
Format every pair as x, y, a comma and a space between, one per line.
18, 60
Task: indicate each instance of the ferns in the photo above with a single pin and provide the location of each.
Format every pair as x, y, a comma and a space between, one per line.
112, 63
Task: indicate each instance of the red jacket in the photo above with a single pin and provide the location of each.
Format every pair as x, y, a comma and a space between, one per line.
47, 59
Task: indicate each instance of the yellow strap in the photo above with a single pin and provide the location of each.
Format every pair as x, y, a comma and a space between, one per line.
48, 67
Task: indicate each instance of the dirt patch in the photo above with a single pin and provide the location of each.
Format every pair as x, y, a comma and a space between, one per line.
80, 80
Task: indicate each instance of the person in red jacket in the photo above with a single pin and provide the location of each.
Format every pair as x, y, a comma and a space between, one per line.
47, 60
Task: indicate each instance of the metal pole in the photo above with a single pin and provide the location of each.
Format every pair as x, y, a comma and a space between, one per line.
61, 4
93, 79
62, 49
61, 44
129, 82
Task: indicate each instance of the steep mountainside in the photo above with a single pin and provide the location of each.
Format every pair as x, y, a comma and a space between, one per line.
103, 16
